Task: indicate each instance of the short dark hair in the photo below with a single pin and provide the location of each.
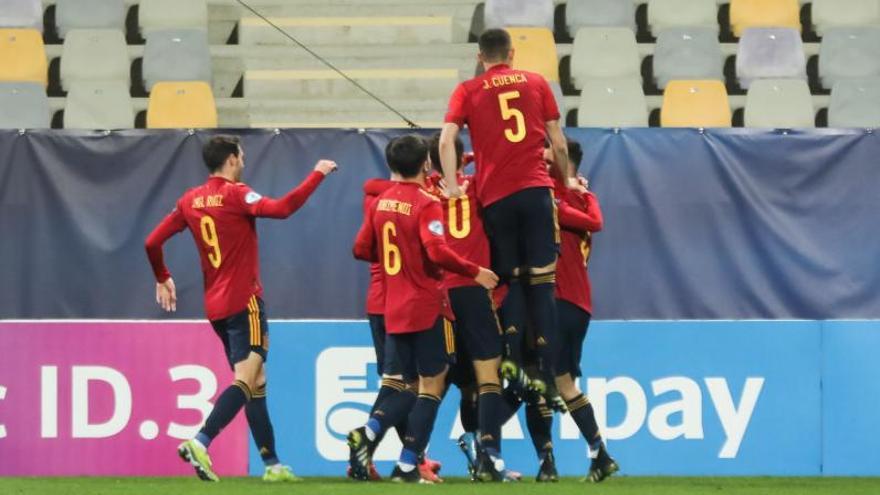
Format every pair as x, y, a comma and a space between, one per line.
575, 153
406, 155
435, 152
495, 44
217, 150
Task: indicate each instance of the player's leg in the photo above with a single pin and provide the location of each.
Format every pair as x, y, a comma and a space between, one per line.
391, 383
572, 331
461, 374
539, 420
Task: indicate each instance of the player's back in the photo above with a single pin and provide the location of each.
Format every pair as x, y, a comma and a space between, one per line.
414, 296
506, 111
226, 239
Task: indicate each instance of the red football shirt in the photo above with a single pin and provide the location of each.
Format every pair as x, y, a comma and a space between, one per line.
579, 217
506, 111
220, 215
464, 230
376, 291
404, 232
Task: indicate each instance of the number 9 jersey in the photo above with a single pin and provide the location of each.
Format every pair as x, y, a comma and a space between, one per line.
506, 111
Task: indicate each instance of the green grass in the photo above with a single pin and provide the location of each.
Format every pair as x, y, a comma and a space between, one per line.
621, 485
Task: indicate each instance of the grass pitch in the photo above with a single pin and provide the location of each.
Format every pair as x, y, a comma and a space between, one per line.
615, 486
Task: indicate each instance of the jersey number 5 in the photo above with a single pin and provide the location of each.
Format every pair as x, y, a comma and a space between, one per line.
519, 132
462, 231
390, 252
209, 235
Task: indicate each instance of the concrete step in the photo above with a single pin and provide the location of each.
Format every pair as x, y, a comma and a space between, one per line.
325, 83
316, 31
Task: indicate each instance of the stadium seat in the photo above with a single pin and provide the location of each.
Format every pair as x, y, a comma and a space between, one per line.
181, 105
855, 103
25, 14
98, 105
779, 103
24, 105
599, 13
518, 13
604, 52
695, 104
23, 56
765, 53
837, 13
95, 55
612, 103
535, 51
89, 14
176, 55
172, 14
688, 53
665, 14
745, 14
848, 52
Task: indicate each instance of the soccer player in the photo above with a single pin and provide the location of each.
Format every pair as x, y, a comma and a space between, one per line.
475, 319
221, 215
404, 230
510, 113
574, 303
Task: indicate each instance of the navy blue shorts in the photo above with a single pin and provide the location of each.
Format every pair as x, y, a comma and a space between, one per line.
377, 329
523, 230
425, 353
244, 332
461, 373
573, 325
476, 323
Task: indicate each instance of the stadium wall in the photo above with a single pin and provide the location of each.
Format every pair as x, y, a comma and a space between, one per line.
715, 224
673, 397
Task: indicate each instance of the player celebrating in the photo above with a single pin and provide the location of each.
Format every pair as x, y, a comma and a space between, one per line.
220, 215
510, 113
405, 225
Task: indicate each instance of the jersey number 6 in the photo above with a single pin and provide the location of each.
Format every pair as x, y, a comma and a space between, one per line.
392, 263
209, 235
519, 133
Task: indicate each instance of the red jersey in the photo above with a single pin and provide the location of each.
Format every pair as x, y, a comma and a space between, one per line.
464, 229
579, 217
506, 111
220, 215
376, 291
403, 230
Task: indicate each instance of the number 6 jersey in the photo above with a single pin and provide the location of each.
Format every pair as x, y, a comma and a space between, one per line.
506, 111
220, 215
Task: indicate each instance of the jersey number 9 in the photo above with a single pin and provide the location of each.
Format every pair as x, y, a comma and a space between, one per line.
519, 132
390, 252
209, 235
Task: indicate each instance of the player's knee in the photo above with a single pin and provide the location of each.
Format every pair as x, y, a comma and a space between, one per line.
567, 387
433, 385
487, 371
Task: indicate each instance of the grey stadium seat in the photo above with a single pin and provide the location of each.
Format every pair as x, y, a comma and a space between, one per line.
518, 13
688, 53
98, 105
604, 52
21, 14
95, 55
828, 14
665, 14
89, 14
599, 13
779, 103
855, 103
172, 14
848, 52
613, 103
176, 55
24, 106
765, 53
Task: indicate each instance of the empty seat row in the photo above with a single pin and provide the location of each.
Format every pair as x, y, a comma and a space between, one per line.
108, 105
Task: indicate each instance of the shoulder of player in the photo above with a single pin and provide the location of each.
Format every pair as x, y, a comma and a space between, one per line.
428, 197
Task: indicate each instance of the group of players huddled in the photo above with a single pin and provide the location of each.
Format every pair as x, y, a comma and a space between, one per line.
478, 281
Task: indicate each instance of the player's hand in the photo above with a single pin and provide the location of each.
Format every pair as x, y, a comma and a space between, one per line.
487, 278
584, 182
326, 167
574, 183
453, 190
166, 295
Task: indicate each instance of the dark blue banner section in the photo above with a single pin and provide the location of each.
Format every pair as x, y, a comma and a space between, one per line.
725, 224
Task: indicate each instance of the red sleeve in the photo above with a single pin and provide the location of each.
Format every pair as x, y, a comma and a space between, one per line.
375, 187
431, 233
170, 225
258, 206
365, 242
551, 109
457, 111
594, 211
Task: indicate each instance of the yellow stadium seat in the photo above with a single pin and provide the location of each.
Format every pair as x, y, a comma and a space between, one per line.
535, 51
695, 104
23, 56
181, 105
745, 14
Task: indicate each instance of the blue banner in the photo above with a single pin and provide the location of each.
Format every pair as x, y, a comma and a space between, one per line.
673, 398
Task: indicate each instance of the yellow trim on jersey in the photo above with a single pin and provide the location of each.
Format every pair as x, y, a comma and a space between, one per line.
449, 336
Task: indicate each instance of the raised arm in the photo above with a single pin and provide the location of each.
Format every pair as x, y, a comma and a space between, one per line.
559, 169
288, 204
364, 247
575, 220
448, 158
